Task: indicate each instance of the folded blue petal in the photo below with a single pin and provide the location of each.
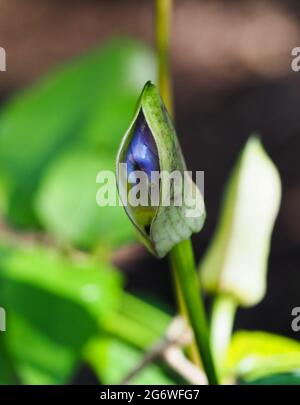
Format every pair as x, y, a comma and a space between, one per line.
142, 152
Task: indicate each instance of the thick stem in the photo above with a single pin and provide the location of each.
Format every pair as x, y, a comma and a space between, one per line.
183, 263
222, 318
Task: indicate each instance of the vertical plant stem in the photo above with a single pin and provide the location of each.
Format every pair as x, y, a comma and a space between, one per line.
222, 318
192, 350
163, 22
182, 257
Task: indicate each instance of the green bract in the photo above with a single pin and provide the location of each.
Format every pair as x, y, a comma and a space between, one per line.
236, 261
163, 225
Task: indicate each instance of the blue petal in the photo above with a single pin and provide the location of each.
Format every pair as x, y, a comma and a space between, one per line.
142, 152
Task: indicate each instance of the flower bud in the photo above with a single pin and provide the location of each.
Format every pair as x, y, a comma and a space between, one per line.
236, 260
155, 189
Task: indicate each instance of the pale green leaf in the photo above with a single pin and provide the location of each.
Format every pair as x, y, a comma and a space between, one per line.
254, 355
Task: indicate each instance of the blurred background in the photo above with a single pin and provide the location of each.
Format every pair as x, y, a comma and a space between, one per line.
74, 71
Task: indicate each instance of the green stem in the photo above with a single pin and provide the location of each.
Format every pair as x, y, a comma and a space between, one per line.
191, 349
182, 257
222, 318
183, 262
163, 19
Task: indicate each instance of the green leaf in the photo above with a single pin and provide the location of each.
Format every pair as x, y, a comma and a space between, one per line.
144, 312
7, 371
88, 100
4, 194
237, 258
54, 305
135, 327
113, 359
137, 322
253, 355
66, 202
277, 379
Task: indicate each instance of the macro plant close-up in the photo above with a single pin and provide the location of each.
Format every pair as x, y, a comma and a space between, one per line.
149, 194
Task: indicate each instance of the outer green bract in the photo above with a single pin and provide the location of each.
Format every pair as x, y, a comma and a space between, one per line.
167, 225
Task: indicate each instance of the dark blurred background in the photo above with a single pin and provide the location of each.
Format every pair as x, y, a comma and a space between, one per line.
232, 77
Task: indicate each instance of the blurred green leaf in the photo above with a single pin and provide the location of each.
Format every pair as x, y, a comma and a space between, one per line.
135, 327
4, 195
113, 359
54, 305
254, 355
138, 323
89, 100
277, 379
7, 370
66, 202
144, 313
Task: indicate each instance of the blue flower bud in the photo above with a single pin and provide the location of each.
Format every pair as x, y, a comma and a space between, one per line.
150, 145
142, 152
